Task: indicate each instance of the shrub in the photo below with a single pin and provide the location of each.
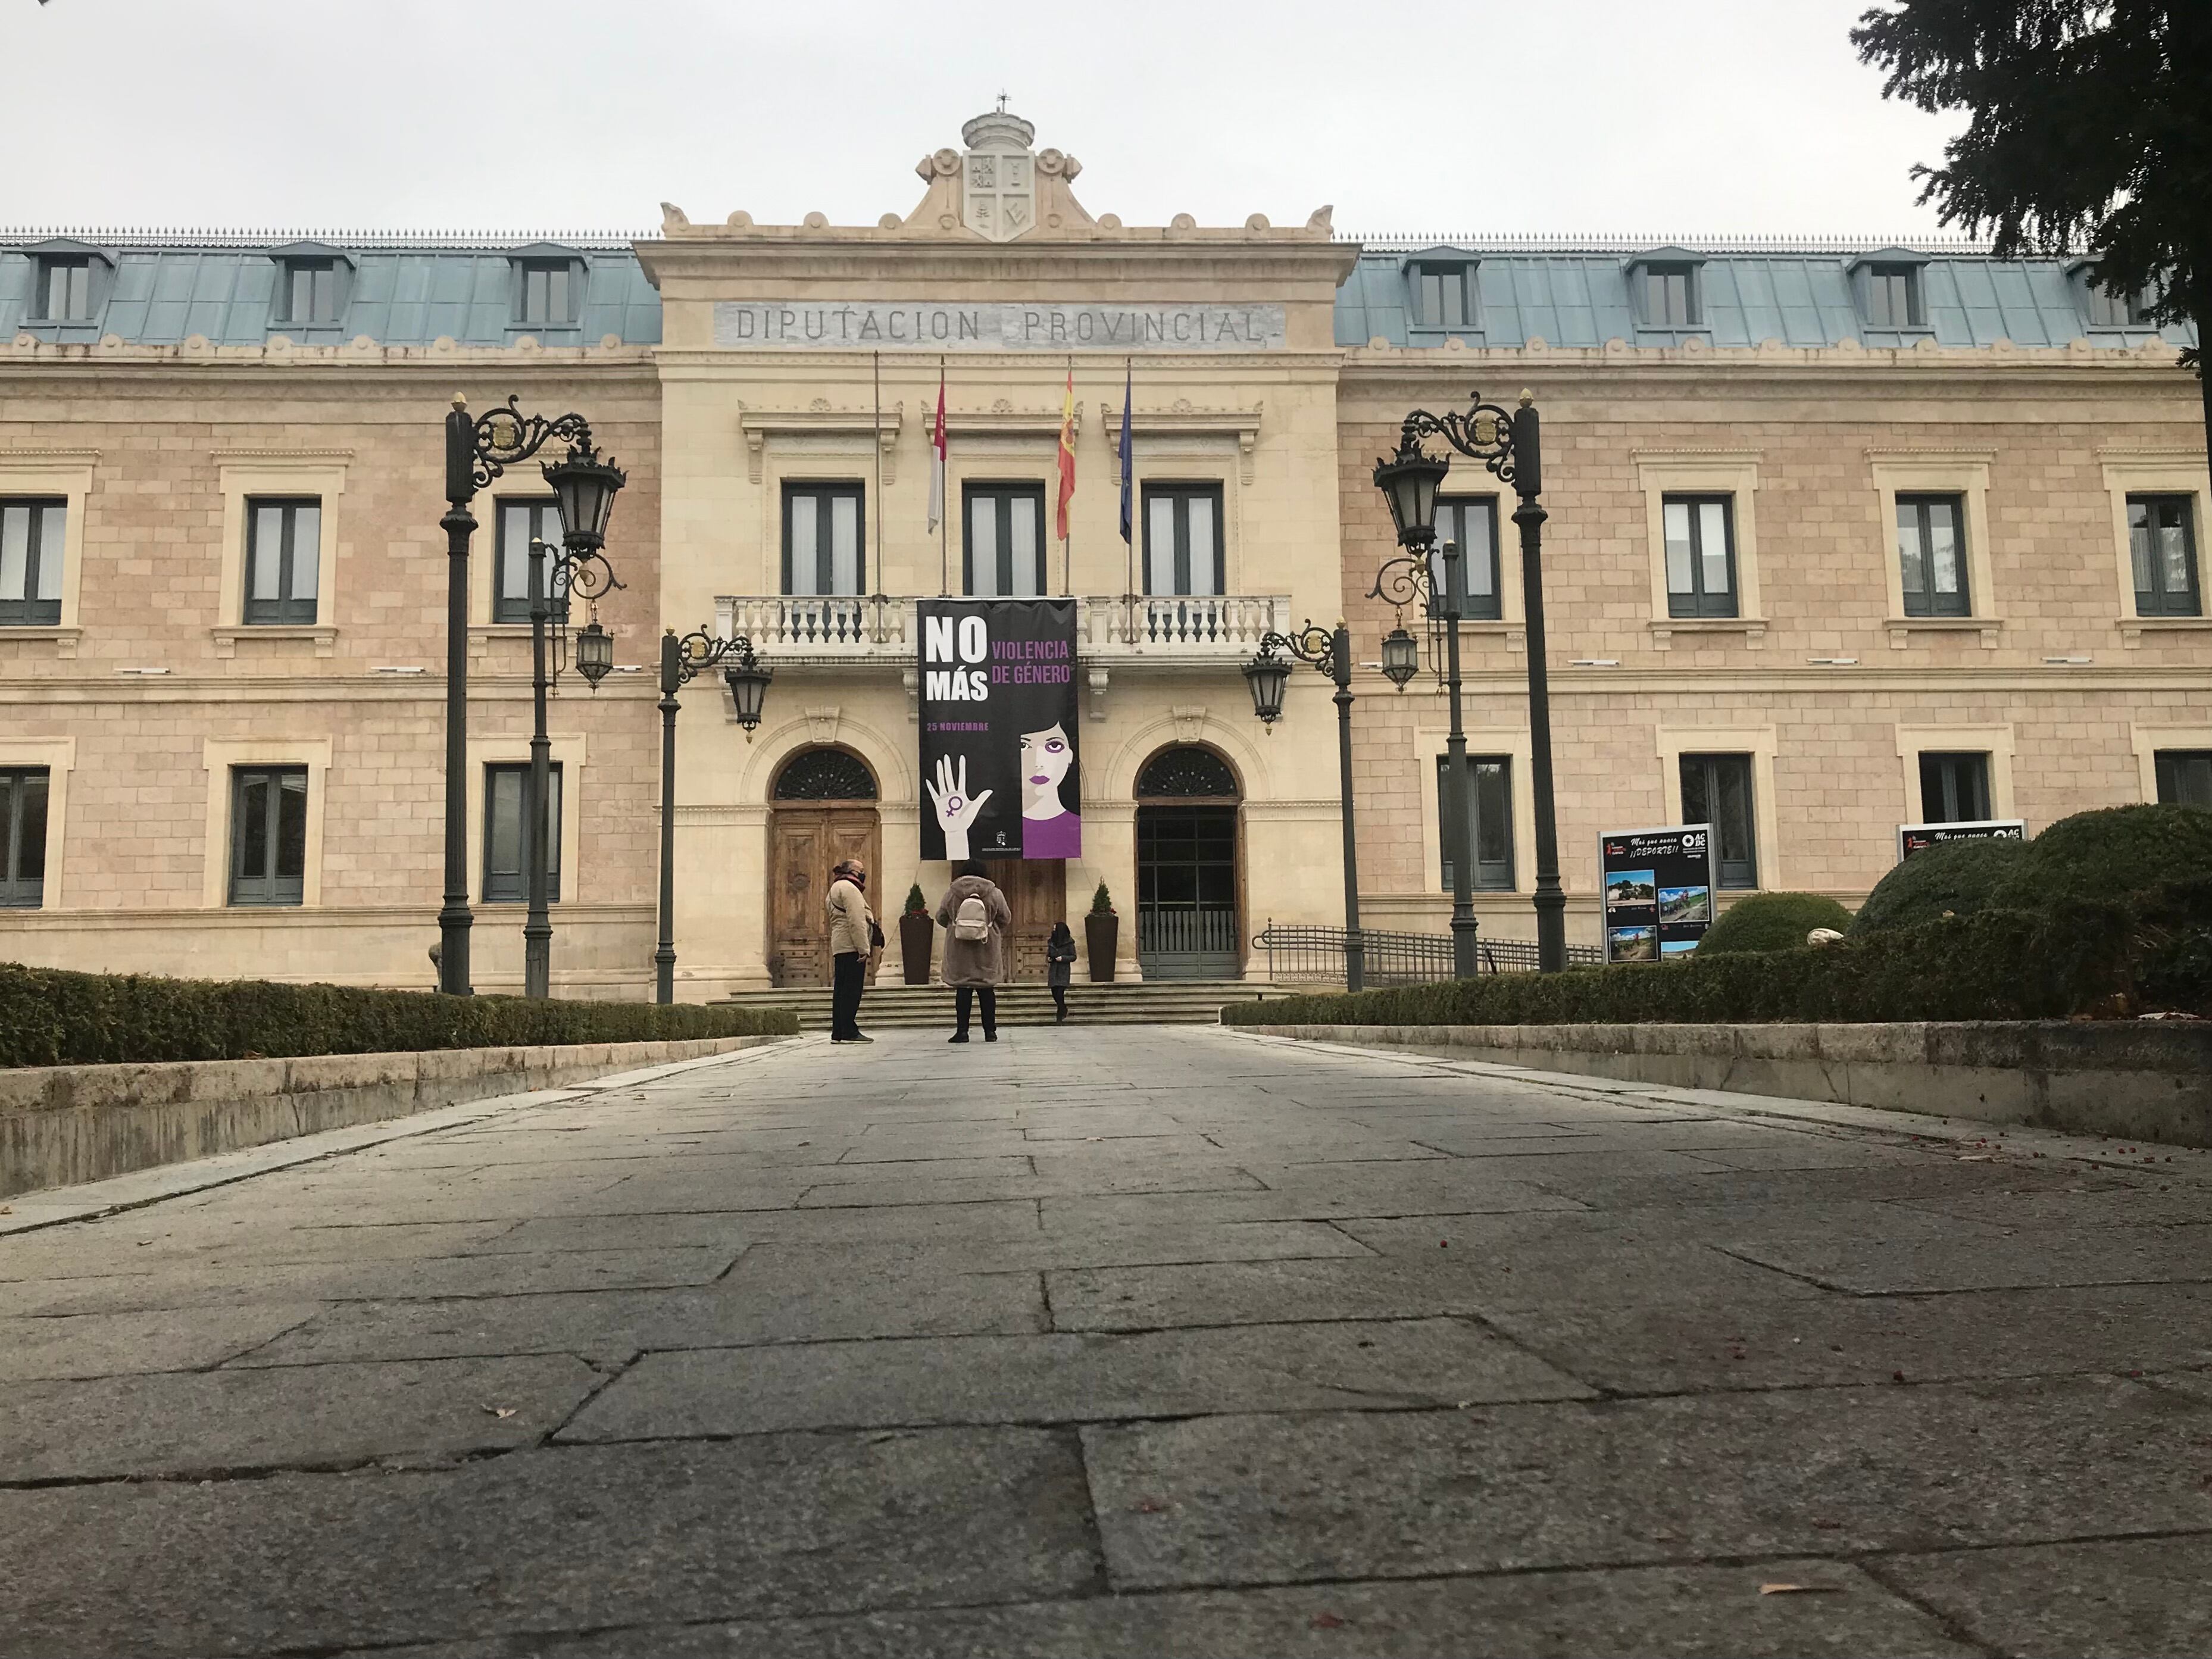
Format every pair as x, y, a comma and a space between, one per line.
1772, 921
1101, 901
1957, 876
2109, 854
916, 904
1999, 964
51, 1018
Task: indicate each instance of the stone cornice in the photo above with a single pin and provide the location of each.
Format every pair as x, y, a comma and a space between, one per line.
1240, 262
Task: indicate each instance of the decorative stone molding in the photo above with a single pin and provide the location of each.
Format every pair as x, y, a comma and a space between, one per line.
323, 636
822, 722
1182, 420
758, 426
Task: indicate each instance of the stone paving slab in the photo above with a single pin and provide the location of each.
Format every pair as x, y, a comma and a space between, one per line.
576, 1538
2093, 1599
1635, 1613
161, 1340
1388, 1365
192, 1424
1264, 1499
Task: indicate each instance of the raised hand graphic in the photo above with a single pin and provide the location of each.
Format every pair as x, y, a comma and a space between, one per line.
956, 810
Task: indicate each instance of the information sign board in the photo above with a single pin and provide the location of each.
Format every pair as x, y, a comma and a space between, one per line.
1658, 890
1919, 837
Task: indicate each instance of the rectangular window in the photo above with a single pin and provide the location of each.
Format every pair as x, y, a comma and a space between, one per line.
1955, 788
1700, 556
23, 837
1893, 297
268, 835
64, 293
520, 522
2162, 546
1440, 296
31, 543
506, 845
311, 292
1670, 296
1491, 778
822, 544
1004, 531
283, 558
2116, 308
549, 293
2184, 777
1717, 790
1471, 522
1932, 555
1182, 538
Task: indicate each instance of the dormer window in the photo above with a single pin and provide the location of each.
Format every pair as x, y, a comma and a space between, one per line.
2115, 308
1893, 297
548, 298
1441, 295
1670, 296
314, 295
64, 289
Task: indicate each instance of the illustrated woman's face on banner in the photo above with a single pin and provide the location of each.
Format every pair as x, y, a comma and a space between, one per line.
1045, 757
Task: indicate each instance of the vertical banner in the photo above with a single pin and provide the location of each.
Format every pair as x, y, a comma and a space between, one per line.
1658, 886
1919, 837
1000, 774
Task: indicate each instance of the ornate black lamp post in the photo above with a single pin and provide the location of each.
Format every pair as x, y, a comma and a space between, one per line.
1269, 676
747, 676
1507, 443
478, 449
585, 485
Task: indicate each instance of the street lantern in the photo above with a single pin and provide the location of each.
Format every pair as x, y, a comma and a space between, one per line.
1409, 481
585, 485
747, 678
1269, 677
595, 653
1402, 658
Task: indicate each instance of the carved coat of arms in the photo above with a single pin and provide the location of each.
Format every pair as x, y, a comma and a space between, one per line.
998, 178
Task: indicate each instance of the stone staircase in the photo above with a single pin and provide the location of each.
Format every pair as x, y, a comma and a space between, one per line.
886, 1006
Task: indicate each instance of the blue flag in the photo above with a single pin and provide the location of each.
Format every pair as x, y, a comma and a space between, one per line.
1127, 486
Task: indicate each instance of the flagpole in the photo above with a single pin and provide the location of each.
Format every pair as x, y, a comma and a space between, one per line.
1127, 454
943, 508
877, 444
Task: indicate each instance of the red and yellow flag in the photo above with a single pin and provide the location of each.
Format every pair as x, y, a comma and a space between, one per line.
1067, 450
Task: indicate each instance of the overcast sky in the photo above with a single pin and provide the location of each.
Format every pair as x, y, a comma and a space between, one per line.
1589, 116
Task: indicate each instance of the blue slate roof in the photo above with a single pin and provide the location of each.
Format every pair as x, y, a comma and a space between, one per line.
411, 290
1802, 296
401, 293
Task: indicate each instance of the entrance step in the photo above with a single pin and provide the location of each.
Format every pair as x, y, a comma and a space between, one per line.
1169, 1002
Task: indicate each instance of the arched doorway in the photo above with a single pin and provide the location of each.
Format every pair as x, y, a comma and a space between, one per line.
1187, 874
824, 809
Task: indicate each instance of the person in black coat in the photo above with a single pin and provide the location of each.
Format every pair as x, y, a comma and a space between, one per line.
1060, 964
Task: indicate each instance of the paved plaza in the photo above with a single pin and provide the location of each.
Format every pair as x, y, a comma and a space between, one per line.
1110, 1341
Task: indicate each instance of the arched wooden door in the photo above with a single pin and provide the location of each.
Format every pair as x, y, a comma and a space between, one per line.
1188, 875
824, 810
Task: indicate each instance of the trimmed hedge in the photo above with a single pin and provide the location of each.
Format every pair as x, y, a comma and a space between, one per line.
1772, 921
1957, 876
2071, 959
2109, 854
51, 1018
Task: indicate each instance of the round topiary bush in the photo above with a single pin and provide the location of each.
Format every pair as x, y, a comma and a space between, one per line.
1772, 921
2109, 855
1957, 876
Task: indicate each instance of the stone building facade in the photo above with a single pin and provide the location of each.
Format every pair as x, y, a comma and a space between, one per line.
222, 717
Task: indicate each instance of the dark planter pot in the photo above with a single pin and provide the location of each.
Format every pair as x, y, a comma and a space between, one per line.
1101, 934
917, 936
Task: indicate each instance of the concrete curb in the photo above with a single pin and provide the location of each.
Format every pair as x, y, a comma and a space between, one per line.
61, 1126
2149, 1080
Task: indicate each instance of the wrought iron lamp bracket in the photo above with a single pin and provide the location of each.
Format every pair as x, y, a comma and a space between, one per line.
504, 437
1484, 432
1312, 643
699, 651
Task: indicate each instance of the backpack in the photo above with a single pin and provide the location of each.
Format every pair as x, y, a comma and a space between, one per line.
972, 921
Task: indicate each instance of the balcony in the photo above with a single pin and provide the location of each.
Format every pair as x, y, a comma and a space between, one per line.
1143, 632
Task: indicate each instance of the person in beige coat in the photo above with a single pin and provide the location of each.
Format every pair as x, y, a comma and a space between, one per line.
852, 930
976, 919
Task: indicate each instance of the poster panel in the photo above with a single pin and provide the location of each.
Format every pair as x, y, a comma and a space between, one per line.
999, 772
1658, 890
1919, 837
